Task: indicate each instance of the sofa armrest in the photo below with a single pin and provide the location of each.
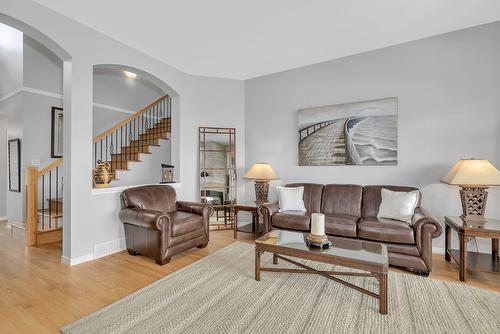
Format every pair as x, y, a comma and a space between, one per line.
200, 209
422, 219
148, 219
426, 228
266, 211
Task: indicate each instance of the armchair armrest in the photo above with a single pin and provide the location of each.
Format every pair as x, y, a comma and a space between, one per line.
201, 209
148, 219
267, 210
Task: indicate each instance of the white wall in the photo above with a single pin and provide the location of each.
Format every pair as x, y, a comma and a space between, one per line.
11, 60
449, 108
42, 69
11, 111
111, 87
201, 102
3, 167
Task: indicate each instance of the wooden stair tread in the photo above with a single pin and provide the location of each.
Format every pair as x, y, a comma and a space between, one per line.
50, 213
47, 230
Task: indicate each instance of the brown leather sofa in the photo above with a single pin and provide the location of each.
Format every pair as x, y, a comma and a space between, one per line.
351, 211
158, 226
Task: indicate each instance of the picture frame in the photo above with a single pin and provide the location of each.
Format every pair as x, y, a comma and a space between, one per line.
15, 165
56, 141
362, 133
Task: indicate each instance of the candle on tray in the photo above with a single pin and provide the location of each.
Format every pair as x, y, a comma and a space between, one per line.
318, 224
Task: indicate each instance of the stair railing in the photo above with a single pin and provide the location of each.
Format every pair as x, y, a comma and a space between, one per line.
44, 205
124, 141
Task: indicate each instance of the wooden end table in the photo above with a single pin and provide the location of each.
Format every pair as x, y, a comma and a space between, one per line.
473, 261
255, 227
370, 257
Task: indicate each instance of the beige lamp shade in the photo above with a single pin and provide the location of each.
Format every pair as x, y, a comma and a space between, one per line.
473, 172
261, 171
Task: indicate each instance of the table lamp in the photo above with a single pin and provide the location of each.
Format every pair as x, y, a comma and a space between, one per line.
262, 173
473, 176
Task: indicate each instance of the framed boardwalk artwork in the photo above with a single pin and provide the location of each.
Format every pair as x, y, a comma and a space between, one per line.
358, 133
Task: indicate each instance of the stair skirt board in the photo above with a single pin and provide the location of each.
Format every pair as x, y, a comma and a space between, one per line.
49, 236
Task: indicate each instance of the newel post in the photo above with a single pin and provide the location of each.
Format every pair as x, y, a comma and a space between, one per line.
31, 205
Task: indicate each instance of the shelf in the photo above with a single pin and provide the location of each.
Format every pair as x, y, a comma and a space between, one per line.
478, 261
247, 228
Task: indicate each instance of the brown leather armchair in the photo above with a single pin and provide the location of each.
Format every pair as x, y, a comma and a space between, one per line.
158, 226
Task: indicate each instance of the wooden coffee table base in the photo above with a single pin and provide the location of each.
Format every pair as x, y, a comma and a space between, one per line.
381, 277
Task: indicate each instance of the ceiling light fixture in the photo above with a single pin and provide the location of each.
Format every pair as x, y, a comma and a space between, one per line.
130, 75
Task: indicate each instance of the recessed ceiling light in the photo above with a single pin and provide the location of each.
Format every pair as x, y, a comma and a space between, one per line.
130, 75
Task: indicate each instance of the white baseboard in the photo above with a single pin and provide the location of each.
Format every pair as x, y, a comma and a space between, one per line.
3, 218
438, 250
100, 250
77, 260
109, 247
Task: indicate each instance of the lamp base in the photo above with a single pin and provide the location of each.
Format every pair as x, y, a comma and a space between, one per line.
261, 191
473, 202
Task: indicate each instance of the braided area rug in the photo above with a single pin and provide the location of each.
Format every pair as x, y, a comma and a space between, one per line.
218, 294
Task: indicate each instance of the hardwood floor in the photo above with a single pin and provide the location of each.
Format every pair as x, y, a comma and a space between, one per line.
38, 294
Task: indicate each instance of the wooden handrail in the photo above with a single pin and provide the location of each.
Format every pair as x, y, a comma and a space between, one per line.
128, 119
50, 166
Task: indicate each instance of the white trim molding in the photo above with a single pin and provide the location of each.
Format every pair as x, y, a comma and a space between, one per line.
59, 96
42, 92
77, 260
112, 108
114, 190
11, 94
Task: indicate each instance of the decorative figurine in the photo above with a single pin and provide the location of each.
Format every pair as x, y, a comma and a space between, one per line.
101, 175
167, 174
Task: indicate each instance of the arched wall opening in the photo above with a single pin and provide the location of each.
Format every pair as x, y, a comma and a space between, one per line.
31, 98
124, 94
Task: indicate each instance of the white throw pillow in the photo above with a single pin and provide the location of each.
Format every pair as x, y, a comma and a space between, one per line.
291, 199
398, 205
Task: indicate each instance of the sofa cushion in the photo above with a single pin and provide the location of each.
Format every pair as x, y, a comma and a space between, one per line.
312, 195
398, 205
291, 199
372, 198
185, 222
387, 230
344, 199
294, 220
342, 225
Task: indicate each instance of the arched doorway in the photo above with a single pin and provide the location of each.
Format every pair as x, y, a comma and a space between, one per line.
43, 216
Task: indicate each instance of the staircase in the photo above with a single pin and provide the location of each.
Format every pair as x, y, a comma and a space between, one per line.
135, 135
44, 204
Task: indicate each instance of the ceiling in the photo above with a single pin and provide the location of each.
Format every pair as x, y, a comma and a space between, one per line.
245, 39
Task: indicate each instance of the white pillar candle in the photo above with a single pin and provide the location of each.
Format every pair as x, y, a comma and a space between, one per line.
318, 224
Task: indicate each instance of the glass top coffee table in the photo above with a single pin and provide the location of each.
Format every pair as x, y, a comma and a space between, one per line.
370, 257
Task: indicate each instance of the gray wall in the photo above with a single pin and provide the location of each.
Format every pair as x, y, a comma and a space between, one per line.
449, 108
